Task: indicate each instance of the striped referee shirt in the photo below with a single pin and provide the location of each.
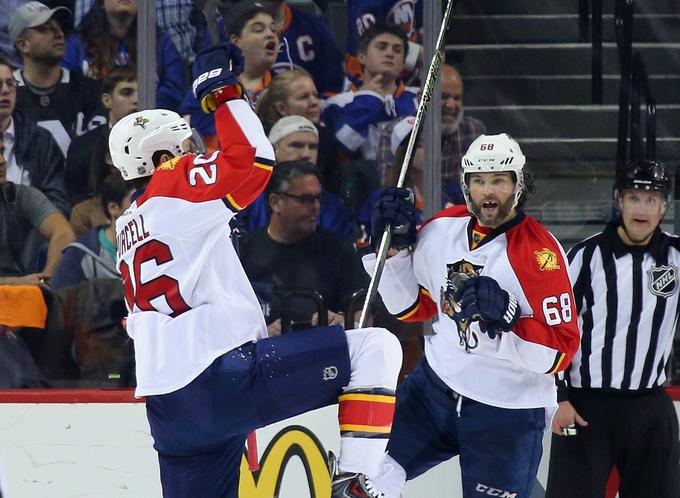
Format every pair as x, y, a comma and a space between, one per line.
627, 302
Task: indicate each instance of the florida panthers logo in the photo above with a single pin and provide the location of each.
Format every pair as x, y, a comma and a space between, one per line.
455, 274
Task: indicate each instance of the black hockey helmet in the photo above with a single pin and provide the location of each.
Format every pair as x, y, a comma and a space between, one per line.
644, 175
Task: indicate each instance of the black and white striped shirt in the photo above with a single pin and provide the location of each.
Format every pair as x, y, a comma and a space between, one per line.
627, 302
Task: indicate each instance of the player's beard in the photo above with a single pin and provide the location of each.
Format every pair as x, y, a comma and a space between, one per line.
503, 211
450, 128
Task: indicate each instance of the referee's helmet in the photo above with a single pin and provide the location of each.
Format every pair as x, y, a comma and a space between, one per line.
644, 175
494, 154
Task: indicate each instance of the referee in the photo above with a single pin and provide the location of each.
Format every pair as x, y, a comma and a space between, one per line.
626, 290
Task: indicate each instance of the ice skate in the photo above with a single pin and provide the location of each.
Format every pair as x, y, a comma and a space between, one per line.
349, 484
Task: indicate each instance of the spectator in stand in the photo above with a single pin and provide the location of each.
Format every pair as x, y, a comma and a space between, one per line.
66, 104
89, 212
401, 133
107, 37
295, 138
32, 155
172, 16
119, 98
362, 14
7, 9
458, 130
24, 209
294, 252
93, 254
252, 29
294, 93
308, 42
357, 116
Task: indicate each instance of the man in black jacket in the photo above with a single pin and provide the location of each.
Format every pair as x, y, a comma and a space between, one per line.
33, 157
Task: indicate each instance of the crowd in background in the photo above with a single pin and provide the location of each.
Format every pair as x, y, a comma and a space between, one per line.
339, 119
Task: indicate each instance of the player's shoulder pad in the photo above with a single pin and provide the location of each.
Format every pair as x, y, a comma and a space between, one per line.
531, 242
460, 211
171, 179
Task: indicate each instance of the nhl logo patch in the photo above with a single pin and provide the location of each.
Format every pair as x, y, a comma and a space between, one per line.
663, 280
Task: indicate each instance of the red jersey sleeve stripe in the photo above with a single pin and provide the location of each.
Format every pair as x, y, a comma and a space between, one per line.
421, 310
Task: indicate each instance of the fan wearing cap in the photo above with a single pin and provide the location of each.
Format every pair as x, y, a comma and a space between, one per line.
65, 103
496, 285
612, 402
295, 138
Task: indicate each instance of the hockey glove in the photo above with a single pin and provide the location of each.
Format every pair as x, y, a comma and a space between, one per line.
396, 208
215, 73
465, 309
498, 308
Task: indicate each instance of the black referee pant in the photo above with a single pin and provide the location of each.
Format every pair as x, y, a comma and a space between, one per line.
636, 432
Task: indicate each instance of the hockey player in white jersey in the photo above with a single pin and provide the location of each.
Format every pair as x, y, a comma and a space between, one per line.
495, 283
204, 362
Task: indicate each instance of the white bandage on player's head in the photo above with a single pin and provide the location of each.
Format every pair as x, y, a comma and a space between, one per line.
289, 125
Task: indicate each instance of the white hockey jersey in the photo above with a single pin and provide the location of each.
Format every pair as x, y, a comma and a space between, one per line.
510, 370
188, 296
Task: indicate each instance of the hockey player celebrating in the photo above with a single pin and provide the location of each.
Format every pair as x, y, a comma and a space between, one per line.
208, 371
495, 283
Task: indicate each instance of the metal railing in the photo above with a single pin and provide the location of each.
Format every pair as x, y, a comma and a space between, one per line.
594, 32
634, 91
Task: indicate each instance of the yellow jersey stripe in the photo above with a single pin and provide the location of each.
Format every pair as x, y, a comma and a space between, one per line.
234, 203
410, 313
263, 166
376, 398
383, 429
559, 362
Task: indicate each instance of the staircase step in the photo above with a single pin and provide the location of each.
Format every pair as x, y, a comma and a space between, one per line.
555, 28
517, 7
559, 90
567, 121
555, 58
576, 150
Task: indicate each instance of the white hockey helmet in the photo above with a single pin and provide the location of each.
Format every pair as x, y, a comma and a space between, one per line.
135, 138
494, 154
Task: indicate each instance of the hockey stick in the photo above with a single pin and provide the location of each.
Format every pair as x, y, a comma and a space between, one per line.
428, 89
